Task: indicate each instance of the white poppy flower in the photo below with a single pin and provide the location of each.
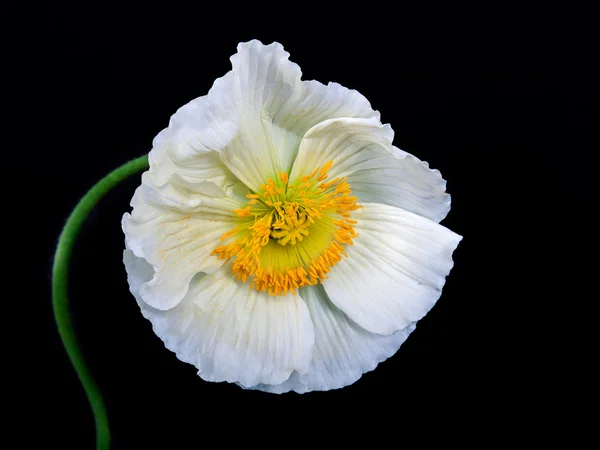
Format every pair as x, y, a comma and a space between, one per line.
279, 240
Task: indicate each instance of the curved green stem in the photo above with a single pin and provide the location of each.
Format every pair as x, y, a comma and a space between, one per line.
60, 303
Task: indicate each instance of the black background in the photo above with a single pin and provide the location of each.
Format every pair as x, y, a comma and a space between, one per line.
500, 99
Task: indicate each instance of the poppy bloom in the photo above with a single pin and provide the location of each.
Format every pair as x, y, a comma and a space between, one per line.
279, 240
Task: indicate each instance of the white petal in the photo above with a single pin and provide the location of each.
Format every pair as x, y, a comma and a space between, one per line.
189, 146
276, 108
362, 150
395, 271
404, 181
343, 350
231, 333
254, 117
206, 174
175, 238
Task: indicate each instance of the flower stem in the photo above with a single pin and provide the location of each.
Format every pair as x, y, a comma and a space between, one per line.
60, 302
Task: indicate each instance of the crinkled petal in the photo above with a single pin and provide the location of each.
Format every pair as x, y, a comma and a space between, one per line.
189, 147
343, 350
362, 150
254, 117
403, 180
175, 238
395, 271
230, 333
276, 108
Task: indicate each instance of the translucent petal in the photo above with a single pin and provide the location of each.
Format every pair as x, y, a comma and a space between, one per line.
395, 271
175, 238
253, 117
362, 150
343, 350
228, 332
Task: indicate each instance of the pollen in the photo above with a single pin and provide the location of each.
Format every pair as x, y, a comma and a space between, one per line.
291, 232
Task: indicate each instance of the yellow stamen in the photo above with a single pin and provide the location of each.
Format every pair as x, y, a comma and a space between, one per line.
326, 167
244, 212
283, 176
294, 236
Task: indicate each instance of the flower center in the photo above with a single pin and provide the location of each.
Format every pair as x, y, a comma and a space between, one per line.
291, 233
